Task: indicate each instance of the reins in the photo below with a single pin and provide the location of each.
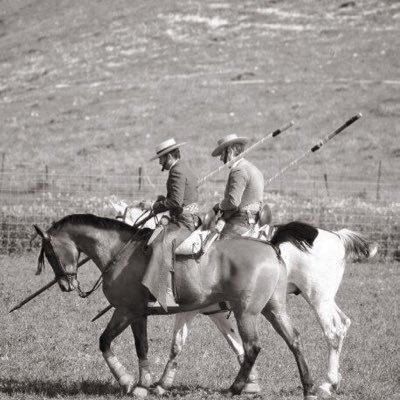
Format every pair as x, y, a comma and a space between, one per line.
99, 281
60, 271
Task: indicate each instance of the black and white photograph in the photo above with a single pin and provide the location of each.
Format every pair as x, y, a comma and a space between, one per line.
200, 199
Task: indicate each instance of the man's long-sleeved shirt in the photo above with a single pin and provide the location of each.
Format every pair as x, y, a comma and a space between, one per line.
181, 189
244, 189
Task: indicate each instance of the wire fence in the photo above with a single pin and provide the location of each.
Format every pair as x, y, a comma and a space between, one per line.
41, 198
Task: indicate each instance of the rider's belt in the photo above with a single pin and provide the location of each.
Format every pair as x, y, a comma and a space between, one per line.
191, 208
251, 211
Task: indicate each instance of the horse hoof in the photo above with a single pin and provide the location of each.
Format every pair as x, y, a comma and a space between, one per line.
140, 392
228, 393
336, 385
126, 382
251, 387
160, 391
325, 390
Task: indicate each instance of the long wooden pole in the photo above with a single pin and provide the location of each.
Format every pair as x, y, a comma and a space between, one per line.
241, 155
316, 146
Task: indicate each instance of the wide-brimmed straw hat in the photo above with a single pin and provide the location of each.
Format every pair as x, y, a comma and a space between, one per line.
166, 147
227, 141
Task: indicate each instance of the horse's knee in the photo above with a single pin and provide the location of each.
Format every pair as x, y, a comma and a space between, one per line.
333, 339
296, 344
176, 348
251, 351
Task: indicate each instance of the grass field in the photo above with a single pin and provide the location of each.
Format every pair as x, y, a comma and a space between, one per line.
90, 87
49, 348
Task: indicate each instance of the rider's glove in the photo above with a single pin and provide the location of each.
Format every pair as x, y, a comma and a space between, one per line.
216, 208
219, 226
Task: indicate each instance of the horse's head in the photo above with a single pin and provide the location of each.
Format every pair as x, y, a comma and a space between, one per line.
132, 215
62, 255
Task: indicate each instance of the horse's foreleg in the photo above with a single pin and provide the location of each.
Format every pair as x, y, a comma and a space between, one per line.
139, 329
247, 325
118, 323
181, 330
228, 328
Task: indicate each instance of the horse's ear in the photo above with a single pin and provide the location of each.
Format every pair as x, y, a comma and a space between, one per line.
116, 206
42, 234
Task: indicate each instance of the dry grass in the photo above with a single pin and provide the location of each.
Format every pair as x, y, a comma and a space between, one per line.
95, 85
87, 81
49, 349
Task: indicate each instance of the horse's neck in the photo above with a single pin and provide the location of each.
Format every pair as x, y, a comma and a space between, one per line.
100, 245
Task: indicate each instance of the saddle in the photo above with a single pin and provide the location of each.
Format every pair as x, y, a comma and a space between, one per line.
200, 240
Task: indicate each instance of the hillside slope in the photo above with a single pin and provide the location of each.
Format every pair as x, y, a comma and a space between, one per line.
98, 84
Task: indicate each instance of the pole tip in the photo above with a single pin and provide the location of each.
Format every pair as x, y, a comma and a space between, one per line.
359, 115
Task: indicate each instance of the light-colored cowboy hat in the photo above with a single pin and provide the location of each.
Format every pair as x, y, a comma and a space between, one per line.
166, 147
227, 141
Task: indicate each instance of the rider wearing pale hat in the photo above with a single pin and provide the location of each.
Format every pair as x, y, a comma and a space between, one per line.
181, 202
182, 194
244, 190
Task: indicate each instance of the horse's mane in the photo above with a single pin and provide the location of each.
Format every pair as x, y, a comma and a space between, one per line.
298, 233
92, 220
96, 222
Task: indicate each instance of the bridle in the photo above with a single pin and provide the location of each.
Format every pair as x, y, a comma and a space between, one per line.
58, 267
60, 270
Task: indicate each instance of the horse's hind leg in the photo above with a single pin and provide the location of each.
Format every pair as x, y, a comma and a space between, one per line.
181, 330
334, 324
228, 328
247, 325
275, 312
120, 320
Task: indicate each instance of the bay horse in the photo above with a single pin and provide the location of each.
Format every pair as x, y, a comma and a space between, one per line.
247, 273
315, 261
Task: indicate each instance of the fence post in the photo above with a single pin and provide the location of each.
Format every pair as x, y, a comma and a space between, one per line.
140, 171
46, 182
378, 182
326, 183
3, 157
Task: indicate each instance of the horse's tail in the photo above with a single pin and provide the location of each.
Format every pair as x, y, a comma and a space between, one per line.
356, 246
300, 234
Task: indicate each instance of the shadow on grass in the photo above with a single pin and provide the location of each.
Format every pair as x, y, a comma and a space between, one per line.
57, 388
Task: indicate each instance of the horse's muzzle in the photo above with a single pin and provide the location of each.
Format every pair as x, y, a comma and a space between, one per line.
68, 284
